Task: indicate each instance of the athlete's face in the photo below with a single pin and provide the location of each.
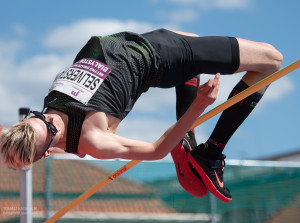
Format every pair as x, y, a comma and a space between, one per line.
46, 132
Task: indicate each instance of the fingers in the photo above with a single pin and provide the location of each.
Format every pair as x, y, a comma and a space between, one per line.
208, 92
216, 84
217, 79
212, 83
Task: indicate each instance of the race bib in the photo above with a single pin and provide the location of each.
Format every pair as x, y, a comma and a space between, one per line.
82, 79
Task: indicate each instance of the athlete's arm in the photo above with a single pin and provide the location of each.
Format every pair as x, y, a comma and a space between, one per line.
105, 145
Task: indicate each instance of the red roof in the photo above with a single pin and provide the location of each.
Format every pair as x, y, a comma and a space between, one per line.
70, 178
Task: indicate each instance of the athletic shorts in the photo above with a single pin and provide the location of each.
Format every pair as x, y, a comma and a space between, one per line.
180, 57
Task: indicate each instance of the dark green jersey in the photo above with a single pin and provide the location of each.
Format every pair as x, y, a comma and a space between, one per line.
133, 64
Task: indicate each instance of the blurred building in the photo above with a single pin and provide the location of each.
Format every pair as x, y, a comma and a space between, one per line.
289, 156
69, 180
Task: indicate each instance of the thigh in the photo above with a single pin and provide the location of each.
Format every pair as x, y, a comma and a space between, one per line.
184, 55
257, 56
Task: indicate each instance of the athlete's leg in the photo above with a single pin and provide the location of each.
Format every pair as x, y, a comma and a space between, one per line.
258, 60
183, 55
187, 176
185, 95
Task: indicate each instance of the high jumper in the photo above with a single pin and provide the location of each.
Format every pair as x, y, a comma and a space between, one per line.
87, 102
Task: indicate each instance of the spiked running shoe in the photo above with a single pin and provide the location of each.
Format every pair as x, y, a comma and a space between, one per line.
211, 172
187, 176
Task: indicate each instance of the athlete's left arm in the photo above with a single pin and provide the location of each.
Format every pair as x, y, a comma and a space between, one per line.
105, 145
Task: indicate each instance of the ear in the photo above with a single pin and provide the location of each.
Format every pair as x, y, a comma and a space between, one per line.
50, 118
48, 152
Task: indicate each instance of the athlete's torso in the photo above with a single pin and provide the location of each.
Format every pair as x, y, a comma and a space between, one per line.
132, 60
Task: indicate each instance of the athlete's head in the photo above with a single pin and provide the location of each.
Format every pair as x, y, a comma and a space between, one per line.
26, 142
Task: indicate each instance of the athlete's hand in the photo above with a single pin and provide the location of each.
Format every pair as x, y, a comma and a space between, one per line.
208, 92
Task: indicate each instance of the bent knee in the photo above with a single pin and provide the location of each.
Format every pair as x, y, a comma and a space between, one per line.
275, 58
276, 54
259, 57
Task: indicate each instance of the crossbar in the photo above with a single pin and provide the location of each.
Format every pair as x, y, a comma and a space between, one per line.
266, 81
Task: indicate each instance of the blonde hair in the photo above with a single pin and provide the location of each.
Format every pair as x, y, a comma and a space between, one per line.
17, 145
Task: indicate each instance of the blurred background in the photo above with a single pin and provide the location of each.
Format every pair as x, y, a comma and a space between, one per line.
39, 39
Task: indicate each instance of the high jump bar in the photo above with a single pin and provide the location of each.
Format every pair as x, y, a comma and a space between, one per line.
266, 81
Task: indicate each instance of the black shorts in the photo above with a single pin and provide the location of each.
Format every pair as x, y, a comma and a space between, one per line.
180, 57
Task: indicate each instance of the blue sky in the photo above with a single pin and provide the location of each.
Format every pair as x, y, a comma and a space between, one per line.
38, 39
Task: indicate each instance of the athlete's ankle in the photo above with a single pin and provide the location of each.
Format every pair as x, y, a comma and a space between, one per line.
212, 149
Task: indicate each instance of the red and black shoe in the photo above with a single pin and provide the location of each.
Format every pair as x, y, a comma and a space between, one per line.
187, 176
211, 172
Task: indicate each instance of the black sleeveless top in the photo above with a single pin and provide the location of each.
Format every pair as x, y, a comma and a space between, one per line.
134, 70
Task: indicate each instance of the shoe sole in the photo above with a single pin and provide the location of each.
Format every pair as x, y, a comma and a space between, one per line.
208, 183
186, 178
